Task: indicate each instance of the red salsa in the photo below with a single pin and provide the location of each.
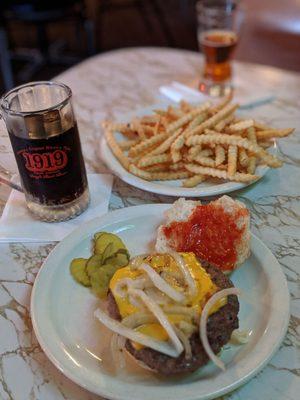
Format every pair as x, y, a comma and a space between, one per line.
210, 233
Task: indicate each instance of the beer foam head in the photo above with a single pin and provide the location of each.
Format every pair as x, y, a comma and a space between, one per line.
218, 38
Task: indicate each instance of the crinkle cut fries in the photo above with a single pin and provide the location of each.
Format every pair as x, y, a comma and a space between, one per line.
194, 143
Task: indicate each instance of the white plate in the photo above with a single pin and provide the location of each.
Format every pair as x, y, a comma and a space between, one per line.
170, 188
62, 316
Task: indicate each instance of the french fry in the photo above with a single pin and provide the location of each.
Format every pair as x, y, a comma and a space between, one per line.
220, 155
127, 144
225, 121
160, 112
164, 146
158, 176
115, 126
150, 119
148, 130
222, 167
243, 158
185, 106
120, 127
146, 144
232, 160
261, 127
177, 166
265, 144
238, 177
138, 127
197, 120
240, 126
212, 121
156, 128
152, 160
178, 143
252, 135
205, 161
218, 138
193, 181
252, 160
251, 165
157, 168
193, 151
206, 153
176, 155
188, 117
174, 113
272, 133
111, 141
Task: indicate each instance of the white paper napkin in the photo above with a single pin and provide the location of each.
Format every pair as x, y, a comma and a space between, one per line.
176, 92
18, 225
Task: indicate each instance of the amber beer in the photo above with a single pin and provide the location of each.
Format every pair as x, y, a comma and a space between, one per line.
217, 46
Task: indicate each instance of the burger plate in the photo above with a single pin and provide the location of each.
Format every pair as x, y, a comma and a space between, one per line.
78, 345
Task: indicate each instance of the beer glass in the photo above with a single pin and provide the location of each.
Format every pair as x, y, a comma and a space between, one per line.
219, 22
43, 132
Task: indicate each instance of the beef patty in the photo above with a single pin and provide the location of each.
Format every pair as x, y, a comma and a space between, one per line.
219, 329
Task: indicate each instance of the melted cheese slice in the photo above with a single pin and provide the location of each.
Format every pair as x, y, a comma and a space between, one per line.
166, 266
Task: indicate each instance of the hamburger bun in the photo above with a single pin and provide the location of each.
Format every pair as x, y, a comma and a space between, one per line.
235, 214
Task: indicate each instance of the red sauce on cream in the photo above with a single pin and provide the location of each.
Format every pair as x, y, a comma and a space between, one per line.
210, 233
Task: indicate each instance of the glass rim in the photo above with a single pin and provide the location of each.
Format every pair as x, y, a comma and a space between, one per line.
5, 107
201, 6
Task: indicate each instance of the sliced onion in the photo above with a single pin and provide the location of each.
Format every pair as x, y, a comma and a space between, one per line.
240, 337
187, 327
185, 271
117, 327
137, 319
156, 295
136, 261
116, 352
160, 315
203, 323
174, 275
120, 347
180, 310
185, 341
125, 283
161, 284
113, 347
134, 301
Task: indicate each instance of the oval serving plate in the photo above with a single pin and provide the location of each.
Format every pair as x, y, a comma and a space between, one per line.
62, 316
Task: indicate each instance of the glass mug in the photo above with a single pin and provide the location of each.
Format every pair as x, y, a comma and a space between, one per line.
219, 22
43, 132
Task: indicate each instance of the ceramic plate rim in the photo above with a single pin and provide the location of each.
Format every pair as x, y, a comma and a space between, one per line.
162, 188
119, 216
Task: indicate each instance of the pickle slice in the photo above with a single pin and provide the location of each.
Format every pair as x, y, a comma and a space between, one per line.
109, 255
78, 271
108, 252
119, 260
103, 239
98, 234
100, 279
93, 263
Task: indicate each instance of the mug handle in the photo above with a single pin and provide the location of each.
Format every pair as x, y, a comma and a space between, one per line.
5, 175
5, 178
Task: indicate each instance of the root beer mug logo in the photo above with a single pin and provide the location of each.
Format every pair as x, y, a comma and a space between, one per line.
45, 164
52, 169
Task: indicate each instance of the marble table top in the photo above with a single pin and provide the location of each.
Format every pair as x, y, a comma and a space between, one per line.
115, 83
